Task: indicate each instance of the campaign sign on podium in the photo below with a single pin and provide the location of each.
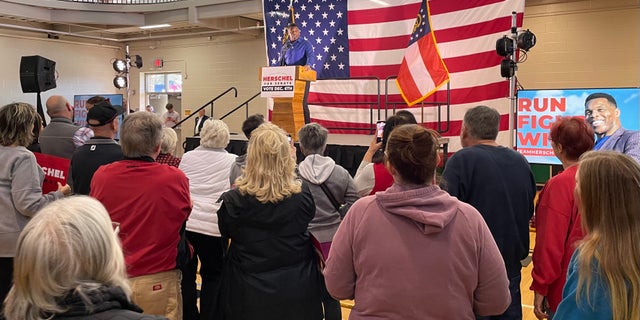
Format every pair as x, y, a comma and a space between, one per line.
288, 86
277, 82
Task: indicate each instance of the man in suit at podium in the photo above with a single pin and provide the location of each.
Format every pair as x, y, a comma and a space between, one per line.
200, 119
297, 51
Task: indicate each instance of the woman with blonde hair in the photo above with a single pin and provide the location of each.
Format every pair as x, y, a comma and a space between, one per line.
603, 281
20, 183
270, 269
69, 265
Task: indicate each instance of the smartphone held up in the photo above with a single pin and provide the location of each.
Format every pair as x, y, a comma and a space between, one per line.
379, 130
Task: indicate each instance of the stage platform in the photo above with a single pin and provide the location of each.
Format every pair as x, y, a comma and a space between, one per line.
346, 150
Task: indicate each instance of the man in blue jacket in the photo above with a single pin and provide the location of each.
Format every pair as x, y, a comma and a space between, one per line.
297, 51
601, 111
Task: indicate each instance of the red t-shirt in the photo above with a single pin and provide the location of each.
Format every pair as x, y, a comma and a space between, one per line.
382, 178
151, 202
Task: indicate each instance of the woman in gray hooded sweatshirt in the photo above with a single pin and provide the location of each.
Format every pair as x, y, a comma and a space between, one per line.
318, 170
333, 191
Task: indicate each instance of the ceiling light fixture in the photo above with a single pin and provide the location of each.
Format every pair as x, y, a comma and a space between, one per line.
155, 26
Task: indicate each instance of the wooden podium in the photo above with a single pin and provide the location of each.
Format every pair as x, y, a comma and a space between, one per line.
289, 87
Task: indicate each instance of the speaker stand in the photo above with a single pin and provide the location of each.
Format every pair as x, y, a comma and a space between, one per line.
41, 111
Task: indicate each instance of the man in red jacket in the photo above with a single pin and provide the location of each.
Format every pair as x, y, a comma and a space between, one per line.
151, 202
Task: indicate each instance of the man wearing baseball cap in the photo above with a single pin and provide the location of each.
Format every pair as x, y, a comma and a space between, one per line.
103, 118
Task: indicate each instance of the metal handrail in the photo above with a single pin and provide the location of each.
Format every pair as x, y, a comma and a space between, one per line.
436, 103
244, 104
207, 104
371, 104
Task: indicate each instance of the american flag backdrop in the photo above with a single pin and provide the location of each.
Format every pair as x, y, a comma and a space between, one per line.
359, 46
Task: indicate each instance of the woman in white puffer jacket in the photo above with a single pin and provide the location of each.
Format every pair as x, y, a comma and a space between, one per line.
207, 168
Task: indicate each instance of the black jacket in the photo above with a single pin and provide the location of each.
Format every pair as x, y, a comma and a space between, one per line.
270, 269
106, 303
199, 126
96, 152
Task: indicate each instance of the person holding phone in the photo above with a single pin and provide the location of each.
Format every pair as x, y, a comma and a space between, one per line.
372, 176
382, 255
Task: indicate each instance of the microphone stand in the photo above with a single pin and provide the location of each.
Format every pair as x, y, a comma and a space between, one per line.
283, 52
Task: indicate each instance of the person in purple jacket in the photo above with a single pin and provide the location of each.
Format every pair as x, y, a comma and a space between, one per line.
413, 251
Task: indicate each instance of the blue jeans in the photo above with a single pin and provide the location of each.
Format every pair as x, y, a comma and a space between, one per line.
514, 311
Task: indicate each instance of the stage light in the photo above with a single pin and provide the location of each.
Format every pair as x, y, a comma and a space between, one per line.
504, 46
136, 61
526, 40
508, 68
119, 65
120, 82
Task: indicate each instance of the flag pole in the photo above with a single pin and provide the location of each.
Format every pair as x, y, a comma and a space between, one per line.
286, 33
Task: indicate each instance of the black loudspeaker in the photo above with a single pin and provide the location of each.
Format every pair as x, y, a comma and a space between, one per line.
37, 74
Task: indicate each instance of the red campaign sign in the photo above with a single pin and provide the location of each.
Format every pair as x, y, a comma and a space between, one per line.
55, 170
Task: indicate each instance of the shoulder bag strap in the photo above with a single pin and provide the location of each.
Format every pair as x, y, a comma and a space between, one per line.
330, 196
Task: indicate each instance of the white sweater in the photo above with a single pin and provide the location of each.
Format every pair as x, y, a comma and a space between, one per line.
208, 173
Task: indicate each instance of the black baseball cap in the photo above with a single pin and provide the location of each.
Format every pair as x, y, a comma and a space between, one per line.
102, 113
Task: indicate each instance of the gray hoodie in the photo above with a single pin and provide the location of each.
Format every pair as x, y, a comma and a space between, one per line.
317, 169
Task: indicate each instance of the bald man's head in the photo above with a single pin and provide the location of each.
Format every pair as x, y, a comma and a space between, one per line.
58, 106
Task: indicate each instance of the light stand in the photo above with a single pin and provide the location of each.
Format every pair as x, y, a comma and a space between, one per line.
506, 47
127, 59
512, 79
121, 81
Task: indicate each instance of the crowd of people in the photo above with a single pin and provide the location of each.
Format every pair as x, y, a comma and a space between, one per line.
276, 239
